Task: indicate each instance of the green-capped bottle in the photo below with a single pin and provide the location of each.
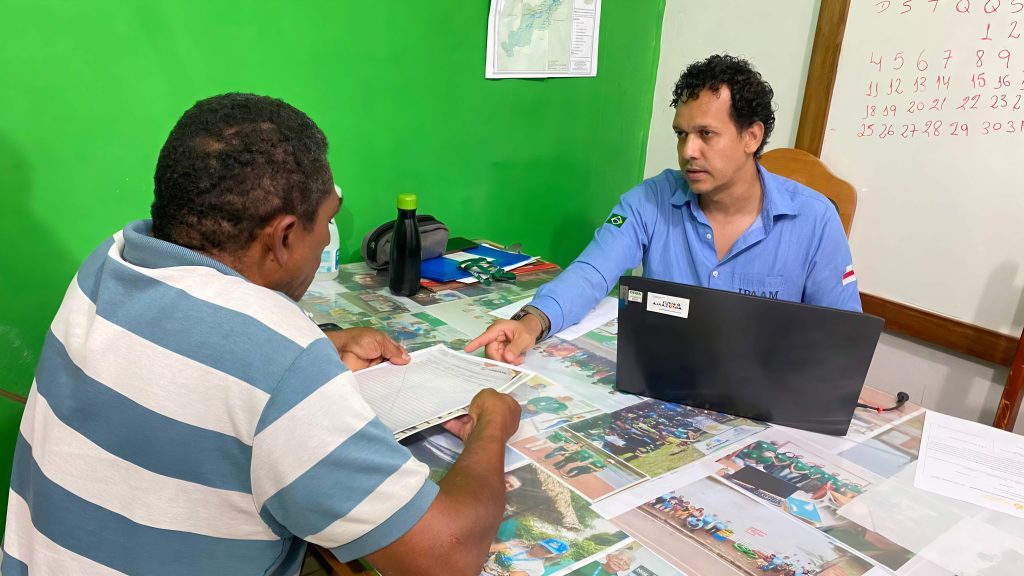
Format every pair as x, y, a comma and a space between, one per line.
404, 264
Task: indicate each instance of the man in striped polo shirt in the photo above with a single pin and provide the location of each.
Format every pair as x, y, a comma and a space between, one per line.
187, 418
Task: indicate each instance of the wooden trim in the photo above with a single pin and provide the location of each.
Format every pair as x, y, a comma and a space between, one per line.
975, 341
821, 74
12, 396
1010, 400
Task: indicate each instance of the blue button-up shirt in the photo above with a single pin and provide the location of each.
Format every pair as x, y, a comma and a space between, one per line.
795, 251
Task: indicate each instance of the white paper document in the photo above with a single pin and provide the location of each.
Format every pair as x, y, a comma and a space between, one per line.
437, 382
542, 38
606, 310
972, 462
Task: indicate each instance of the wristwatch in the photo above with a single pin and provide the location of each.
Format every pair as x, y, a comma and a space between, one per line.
545, 323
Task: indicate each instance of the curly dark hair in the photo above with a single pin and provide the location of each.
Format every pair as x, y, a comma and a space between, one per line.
230, 165
751, 94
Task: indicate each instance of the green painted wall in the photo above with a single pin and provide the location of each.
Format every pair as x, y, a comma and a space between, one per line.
91, 89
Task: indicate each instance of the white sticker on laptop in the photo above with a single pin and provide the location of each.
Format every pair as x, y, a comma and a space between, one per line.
670, 305
636, 296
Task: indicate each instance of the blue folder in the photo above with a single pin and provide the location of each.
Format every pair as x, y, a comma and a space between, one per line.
444, 269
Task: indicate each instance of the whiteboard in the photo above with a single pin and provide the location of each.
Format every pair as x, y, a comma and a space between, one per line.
927, 122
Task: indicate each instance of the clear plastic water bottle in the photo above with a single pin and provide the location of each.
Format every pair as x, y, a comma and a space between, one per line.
330, 258
404, 263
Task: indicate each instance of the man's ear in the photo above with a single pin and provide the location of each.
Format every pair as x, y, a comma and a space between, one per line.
752, 137
279, 238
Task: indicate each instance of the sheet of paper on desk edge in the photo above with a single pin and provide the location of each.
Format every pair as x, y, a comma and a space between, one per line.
428, 407
972, 462
605, 311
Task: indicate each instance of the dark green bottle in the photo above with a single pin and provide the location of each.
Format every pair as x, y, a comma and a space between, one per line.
404, 264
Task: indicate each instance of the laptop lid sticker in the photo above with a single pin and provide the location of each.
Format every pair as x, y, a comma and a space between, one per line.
670, 305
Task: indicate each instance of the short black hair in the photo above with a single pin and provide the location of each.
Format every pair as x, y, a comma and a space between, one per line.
751, 94
230, 165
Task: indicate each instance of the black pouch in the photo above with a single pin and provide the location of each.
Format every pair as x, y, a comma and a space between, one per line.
377, 242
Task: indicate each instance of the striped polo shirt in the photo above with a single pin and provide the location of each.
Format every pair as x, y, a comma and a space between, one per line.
184, 420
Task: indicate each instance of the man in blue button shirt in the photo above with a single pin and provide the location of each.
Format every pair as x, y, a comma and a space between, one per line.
721, 221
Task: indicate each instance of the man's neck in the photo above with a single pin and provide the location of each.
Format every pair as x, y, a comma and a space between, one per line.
742, 198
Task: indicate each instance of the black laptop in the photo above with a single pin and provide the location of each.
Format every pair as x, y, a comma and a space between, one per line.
790, 364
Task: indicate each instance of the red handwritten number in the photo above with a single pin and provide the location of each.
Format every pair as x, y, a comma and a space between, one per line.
883, 6
895, 86
1016, 103
873, 61
992, 6
978, 80
920, 61
945, 61
988, 28
872, 90
935, 4
1002, 82
980, 54
941, 82
1018, 5
999, 101
898, 56
906, 4
963, 6
1013, 28
920, 84
866, 130
1010, 128
958, 128
937, 104
1004, 54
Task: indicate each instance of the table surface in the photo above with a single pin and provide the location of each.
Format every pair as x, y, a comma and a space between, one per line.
670, 489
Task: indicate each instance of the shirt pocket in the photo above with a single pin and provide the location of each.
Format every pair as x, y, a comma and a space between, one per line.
761, 285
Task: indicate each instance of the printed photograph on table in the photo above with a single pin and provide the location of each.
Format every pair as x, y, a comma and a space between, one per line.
427, 298
546, 527
357, 277
565, 361
547, 405
811, 485
807, 483
438, 449
375, 302
889, 452
588, 470
421, 330
735, 536
603, 340
326, 303
633, 559
656, 437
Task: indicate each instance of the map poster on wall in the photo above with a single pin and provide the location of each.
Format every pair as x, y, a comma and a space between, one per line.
543, 38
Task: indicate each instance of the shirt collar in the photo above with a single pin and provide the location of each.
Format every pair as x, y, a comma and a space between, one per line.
778, 200
142, 249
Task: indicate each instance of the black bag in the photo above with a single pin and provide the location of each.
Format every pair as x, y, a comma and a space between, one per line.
377, 242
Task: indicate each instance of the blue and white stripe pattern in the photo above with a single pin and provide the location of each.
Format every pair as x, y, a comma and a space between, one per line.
186, 421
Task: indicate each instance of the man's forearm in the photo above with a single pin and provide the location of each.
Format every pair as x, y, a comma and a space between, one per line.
474, 493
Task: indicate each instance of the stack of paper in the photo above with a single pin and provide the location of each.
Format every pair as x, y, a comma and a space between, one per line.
437, 385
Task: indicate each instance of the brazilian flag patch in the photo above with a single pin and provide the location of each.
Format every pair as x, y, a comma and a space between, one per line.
616, 220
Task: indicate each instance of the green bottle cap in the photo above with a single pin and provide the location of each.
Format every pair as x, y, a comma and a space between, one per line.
406, 201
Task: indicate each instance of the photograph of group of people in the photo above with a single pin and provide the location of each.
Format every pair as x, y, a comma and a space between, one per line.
656, 437
710, 528
812, 485
581, 465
